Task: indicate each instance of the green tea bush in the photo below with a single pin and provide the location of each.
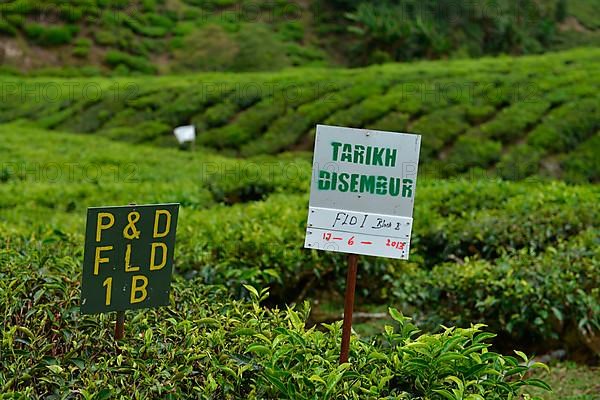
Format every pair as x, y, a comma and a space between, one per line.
205, 344
393, 122
511, 122
255, 235
289, 129
6, 28
136, 63
259, 50
567, 126
292, 31
478, 130
15, 20
367, 111
217, 115
308, 114
519, 163
50, 35
439, 128
583, 165
105, 38
531, 296
478, 113
209, 49
141, 133
151, 25
472, 151
531, 220
249, 124
484, 221
82, 47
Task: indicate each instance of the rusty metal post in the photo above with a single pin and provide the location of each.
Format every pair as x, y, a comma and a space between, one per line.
348, 306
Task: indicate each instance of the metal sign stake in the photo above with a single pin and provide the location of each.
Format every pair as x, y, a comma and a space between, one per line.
348, 306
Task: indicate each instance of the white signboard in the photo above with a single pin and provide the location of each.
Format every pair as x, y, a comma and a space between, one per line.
185, 133
362, 191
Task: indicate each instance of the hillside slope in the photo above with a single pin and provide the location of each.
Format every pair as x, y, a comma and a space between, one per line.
158, 36
513, 255
512, 117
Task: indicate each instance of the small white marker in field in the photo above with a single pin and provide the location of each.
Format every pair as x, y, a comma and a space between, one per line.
185, 134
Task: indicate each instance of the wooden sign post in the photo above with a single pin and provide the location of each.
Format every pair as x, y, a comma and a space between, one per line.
120, 325
128, 259
361, 199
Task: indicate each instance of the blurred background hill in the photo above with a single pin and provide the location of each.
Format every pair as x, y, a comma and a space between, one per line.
89, 37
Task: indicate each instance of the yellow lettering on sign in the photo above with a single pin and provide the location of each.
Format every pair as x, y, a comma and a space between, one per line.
141, 288
108, 284
131, 231
100, 226
128, 267
157, 215
153, 266
99, 259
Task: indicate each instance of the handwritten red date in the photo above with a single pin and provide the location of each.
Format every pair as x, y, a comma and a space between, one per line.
327, 236
396, 244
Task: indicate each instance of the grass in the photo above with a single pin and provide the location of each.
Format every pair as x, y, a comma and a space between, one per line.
570, 381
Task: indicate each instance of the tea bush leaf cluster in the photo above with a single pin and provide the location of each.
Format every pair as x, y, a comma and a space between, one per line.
208, 345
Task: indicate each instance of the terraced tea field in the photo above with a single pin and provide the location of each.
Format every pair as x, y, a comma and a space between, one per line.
511, 117
519, 255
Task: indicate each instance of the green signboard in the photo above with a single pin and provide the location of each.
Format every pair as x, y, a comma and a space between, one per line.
128, 258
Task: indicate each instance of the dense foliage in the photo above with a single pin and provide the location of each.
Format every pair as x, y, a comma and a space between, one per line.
513, 118
401, 30
209, 346
519, 257
504, 255
150, 36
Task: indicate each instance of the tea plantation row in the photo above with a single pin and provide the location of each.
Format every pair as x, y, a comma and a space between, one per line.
513, 118
207, 345
520, 257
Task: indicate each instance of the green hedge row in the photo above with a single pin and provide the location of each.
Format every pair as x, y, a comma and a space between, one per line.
583, 164
207, 345
290, 129
261, 243
243, 221
567, 126
546, 298
501, 110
